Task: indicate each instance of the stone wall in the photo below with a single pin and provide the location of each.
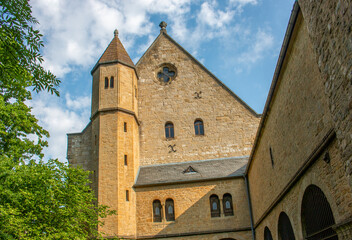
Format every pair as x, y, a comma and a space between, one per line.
229, 125
296, 123
330, 178
330, 31
192, 208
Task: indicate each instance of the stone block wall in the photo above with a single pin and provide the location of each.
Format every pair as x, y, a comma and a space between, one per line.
192, 208
229, 126
330, 31
296, 123
330, 178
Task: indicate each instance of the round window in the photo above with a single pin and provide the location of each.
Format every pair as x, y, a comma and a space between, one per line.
166, 73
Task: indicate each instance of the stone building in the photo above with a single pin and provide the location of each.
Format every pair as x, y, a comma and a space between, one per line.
180, 156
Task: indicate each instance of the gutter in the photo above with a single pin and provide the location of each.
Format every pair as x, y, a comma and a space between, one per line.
249, 206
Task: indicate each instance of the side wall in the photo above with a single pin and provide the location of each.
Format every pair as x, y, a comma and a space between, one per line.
329, 28
330, 179
297, 127
192, 209
228, 125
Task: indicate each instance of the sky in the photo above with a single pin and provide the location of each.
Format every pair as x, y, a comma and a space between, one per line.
239, 41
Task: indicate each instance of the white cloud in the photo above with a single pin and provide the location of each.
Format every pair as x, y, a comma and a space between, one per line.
59, 118
78, 103
263, 42
214, 18
77, 32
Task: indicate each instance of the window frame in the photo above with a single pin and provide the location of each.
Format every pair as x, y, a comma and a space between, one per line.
111, 82
214, 212
225, 198
169, 130
106, 86
199, 127
169, 216
157, 218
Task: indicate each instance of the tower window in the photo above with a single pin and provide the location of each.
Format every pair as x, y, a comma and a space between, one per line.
169, 210
125, 160
127, 196
199, 127
169, 130
125, 127
214, 206
112, 82
157, 211
106, 82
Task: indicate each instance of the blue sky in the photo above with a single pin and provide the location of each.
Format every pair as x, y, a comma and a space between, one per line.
237, 40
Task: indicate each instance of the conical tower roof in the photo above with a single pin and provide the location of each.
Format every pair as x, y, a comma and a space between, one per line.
115, 52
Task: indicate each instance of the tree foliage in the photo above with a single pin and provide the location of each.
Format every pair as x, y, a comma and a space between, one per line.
21, 71
38, 200
47, 201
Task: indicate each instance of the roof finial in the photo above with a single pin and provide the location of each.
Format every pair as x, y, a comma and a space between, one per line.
116, 33
163, 25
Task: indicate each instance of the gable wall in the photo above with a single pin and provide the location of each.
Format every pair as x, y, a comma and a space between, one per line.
229, 126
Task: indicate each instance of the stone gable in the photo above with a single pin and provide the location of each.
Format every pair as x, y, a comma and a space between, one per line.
229, 124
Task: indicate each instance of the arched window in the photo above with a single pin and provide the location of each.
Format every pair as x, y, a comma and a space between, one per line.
285, 228
227, 204
169, 130
267, 234
106, 82
317, 217
157, 211
112, 82
199, 127
169, 210
214, 206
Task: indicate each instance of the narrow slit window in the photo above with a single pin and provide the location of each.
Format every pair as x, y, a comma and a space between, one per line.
271, 156
112, 82
127, 196
106, 82
125, 160
125, 127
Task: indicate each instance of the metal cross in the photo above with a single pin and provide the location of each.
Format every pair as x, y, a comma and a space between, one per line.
166, 74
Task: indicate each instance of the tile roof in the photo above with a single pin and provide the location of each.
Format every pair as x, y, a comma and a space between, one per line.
115, 52
173, 173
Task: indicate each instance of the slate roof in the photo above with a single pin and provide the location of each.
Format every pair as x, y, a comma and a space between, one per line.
115, 52
174, 173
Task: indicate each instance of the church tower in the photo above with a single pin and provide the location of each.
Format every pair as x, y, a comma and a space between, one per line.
115, 136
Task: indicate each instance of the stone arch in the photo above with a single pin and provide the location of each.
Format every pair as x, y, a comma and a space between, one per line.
313, 179
316, 215
267, 234
284, 228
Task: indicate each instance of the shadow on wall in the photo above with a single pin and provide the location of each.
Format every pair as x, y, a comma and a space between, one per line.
205, 208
